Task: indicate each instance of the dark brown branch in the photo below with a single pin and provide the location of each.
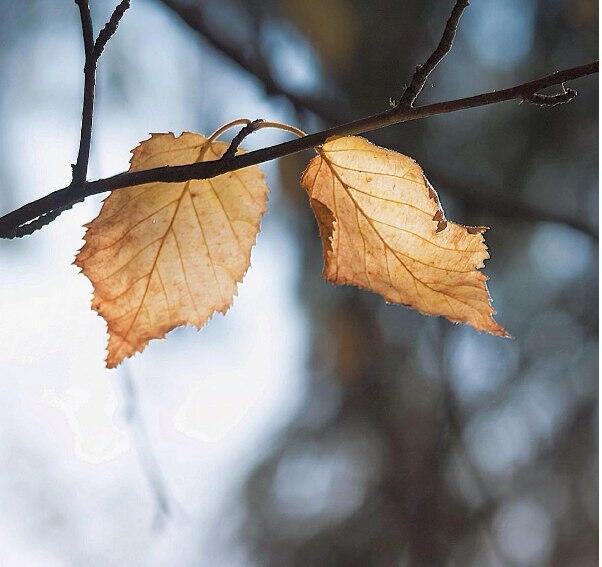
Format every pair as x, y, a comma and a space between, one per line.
237, 140
204, 170
80, 169
423, 71
37, 224
110, 27
92, 52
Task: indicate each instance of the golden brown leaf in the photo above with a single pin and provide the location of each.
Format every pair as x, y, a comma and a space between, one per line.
161, 255
383, 229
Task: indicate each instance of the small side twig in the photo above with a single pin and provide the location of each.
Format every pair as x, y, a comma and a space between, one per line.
567, 95
110, 27
237, 140
93, 50
423, 71
80, 169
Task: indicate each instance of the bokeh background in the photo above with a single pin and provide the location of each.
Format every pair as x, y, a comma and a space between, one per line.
311, 425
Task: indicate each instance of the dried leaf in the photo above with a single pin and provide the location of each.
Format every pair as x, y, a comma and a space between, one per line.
383, 229
161, 255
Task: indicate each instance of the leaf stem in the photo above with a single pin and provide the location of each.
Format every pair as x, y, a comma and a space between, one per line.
263, 124
227, 127
281, 126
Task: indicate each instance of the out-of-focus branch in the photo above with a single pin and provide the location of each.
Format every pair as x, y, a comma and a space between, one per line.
489, 203
192, 15
489, 504
148, 461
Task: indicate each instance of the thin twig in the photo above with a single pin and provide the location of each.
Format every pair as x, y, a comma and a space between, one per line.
110, 27
80, 169
93, 50
237, 140
208, 169
423, 71
191, 13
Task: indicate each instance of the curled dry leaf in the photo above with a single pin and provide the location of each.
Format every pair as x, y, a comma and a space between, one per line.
383, 229
161, 255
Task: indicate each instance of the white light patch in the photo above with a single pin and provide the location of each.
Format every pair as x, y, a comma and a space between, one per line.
244, 373
210, 411
89, 411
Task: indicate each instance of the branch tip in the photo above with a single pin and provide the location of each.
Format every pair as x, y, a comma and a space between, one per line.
237, 140
423, 71
110, 28
567, 95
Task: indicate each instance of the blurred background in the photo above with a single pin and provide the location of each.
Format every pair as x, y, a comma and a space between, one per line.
311, 425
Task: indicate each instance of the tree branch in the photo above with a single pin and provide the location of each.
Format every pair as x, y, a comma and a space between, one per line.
204, 170
423, 71
92, 52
